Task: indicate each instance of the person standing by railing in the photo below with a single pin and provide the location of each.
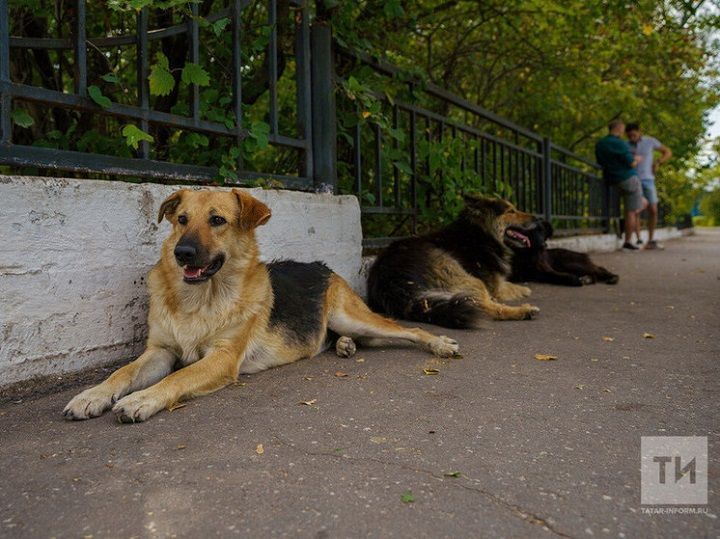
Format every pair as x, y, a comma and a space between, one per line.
619, 164
645, 146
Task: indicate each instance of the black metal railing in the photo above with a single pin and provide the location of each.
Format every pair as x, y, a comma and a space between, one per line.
142, 113
492, 155
408, 160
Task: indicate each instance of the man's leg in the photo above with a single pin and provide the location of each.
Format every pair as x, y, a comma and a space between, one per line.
630, 219
637, 226
652, 220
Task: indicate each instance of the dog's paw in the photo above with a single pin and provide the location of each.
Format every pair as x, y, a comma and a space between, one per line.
444, 346
530, 311
137, 407
90, 403
523, 291
345, 347
586, 279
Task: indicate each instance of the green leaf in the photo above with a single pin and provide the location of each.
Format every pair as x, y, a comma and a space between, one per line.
161, 80
403, 167
219, 25
21, 118
196, 140
260, 131
407, 497
195, 74
134, 135
97, 96
111, 78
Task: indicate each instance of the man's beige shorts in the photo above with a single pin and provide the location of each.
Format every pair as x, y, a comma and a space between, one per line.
631, 190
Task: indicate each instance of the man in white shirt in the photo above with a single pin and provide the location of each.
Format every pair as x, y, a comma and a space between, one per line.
646, 146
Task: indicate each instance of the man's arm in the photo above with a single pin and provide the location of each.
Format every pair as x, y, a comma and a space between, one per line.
665, 155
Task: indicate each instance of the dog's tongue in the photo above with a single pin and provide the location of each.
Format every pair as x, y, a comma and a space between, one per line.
192, 273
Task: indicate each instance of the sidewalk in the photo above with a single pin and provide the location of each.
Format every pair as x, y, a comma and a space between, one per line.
544, 448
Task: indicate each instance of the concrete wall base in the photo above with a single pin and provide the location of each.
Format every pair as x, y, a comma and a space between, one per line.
75, 253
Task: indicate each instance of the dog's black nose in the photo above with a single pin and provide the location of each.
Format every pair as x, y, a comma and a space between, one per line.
185, 254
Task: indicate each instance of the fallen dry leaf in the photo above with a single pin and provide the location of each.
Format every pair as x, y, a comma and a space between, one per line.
608, 339
430, 371
181, 446
176, 406
259, 449
308, 403
452, 474
647, 335
545, 357
307, 377
360, 360
580, 386
340, 374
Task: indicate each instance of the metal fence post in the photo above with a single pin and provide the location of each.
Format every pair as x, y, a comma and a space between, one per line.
606, 206
5, 99
547, 178
324, 136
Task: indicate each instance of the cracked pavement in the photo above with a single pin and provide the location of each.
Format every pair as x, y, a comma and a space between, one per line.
543, 448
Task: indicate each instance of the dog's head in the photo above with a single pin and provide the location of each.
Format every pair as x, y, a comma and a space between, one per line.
508, 224
209, 229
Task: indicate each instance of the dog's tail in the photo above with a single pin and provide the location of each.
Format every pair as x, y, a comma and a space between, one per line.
446, 309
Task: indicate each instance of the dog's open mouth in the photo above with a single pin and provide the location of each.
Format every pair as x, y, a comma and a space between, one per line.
194, 274
517, 238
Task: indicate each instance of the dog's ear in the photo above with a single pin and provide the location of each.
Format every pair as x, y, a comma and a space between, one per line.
170, 204
548, 228
253, 213
481, 204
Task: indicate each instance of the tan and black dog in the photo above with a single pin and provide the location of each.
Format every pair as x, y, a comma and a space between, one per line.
217, 311
457, 275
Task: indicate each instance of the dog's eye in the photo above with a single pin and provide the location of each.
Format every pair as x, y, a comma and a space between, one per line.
216, 220
182, 219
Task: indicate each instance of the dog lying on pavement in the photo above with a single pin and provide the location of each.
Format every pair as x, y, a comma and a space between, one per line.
217, 311
456, 276
533, 261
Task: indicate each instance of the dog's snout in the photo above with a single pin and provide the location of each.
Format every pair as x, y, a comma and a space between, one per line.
185, 253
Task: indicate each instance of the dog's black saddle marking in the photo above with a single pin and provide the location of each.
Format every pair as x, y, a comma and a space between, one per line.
299, 289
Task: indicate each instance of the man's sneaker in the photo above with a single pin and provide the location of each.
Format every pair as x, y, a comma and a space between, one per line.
639, 242
627, 246
655, 245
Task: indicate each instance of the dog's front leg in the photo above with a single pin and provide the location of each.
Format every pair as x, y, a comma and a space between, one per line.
217, 369
151, 366
506, 291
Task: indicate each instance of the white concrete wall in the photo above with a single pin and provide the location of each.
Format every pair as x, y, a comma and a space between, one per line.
74, 255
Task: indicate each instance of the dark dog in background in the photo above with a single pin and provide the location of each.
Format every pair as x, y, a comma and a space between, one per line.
456, 276
532, 261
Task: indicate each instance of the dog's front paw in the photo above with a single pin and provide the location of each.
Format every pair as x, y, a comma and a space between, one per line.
523, 291
90, 403
586, 279
444, 346
530, 311
345, 347
137, 407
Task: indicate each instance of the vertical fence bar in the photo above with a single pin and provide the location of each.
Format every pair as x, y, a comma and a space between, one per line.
396, 170
302, 76
194, 32
80, 46
272, 65
378, 165
142, 76
323, 108
236, 25
5, 97
413, 167
357, 159
547, 178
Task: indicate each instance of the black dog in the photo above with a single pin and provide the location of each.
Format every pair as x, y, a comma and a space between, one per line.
534, 262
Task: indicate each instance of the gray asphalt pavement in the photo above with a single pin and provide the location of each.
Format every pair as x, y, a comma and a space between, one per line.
496, 444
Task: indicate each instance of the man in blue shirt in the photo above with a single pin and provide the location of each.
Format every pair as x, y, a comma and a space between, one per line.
645, 147
618, 163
